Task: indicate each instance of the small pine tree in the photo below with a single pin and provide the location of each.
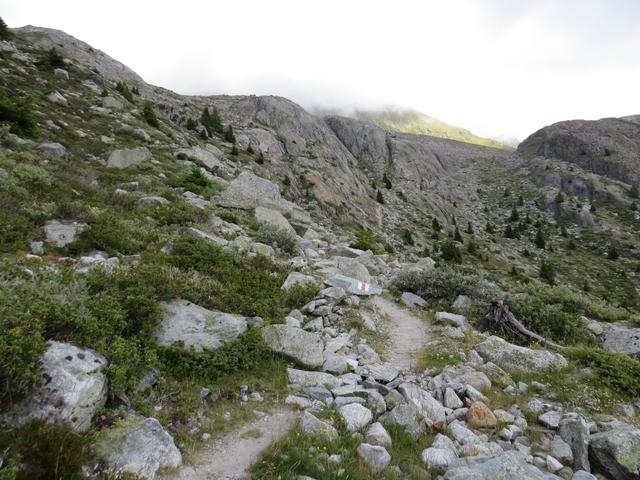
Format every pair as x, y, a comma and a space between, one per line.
515, 216
612, 253
450, 252
135, 91
592, 208
124, 91
386, 181
435, 225
507, 192
379, 197
508, 232
559, 197
234, 150
407, 237
539, 239
228, 135
633, 192
260, 159
472, 246
456, 236
563, 231
192, 124
5, 33
104, 92
490, 229
634, 206
469, 229
149, 113
205, 120
547, 272
520, 201
216, 121
250, 150
454, 221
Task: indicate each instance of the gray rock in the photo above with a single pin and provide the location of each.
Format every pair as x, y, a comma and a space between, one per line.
55, 149
127, 158
382, 372
61, 73
353, 285
462, 301
304, 347
150, 202
139, 446
574, 430
37, 247
407, 416
197, 327
342, 401
99, 260
297, 278
428, 407
623, 340
378, 435
194, 232
412, 300
274, 218
316, 428
452, 319
336, 364
514, 358
437, 457
76, 387
62, 233
312, 379
57, 98
616, 453
451, 400
582, 475
507, 465
375, 456
562, 451
553, 465
111, 103
550, 419
356, 270
320, 393
355, 416
204, 157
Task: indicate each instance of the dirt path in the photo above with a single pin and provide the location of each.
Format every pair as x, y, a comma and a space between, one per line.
230, 456
407, 333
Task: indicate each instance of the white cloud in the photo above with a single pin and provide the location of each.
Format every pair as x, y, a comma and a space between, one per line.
494, 66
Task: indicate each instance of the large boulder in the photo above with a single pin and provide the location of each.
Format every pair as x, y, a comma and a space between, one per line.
480, 416
573, 429
507, 465
304, 347
375, 456
139, 446
355, 416
427, 407
274, 218
198, 154
297, 278
55, 149
304, 378
75, 388
353, 285
197, 327
516, 359
249, 191
131, 157
623, 340
62, 233
616, 452
316, 428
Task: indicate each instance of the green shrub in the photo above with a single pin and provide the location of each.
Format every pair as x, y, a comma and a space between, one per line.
616, 371
45, 452
124, 91
273, 235
16, 111
229, 136
442, 283
114, 235
406, 236
547, 272
450, 252
379, 197
149, 113
197, 182
51, 60
367, 240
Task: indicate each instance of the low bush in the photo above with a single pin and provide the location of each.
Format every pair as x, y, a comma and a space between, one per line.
149, 113
367, 240
442, 283
16, 111
197, 182
274, 235
115, 235
50, 60
615, 371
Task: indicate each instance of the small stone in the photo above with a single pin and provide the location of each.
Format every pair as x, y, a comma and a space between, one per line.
378, 435
480, 416
553, 465
375, 456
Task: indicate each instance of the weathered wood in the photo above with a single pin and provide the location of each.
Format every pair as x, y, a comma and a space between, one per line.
499, 315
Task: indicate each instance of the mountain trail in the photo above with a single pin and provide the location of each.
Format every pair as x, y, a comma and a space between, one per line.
230, 456
408, 334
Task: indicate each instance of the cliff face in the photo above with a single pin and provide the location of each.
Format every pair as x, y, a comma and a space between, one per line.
609, 146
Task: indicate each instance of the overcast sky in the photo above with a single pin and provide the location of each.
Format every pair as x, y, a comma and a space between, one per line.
497, 67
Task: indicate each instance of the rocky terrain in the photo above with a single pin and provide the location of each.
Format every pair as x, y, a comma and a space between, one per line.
232, 287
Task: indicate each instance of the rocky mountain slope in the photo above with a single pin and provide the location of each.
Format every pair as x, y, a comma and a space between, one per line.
186, 278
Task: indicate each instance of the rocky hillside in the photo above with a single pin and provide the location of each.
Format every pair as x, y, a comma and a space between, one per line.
609, 147
231, 287
412, 121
